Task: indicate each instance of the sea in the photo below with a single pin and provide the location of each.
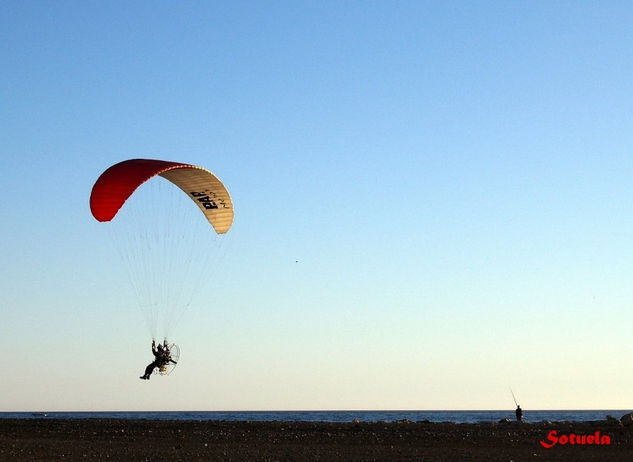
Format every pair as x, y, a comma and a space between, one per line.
331, 416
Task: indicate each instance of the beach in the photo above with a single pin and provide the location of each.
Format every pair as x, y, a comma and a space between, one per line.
164, 440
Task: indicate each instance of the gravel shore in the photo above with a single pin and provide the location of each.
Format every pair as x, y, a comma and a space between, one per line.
159, 440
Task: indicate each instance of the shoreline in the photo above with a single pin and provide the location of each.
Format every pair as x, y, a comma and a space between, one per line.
438, 416
140, 439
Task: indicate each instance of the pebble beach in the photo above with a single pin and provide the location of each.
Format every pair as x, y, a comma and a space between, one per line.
155, 440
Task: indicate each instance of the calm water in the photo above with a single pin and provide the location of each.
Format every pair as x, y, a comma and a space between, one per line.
329, 416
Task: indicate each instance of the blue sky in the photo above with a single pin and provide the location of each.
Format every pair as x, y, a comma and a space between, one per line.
453, 177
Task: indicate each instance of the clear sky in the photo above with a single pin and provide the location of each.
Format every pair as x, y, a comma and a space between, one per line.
454, 179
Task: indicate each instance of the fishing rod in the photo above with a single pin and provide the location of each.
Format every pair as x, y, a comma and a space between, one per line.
513, 397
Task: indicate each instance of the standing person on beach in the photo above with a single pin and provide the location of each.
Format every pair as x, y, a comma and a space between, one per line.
519, 413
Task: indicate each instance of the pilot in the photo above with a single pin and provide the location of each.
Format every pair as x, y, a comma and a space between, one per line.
158, 353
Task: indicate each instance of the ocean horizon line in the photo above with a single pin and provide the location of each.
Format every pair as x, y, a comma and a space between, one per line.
435, 416
311, 410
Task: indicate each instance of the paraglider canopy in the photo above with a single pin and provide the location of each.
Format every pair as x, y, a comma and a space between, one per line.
118, 182
166, 245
